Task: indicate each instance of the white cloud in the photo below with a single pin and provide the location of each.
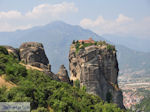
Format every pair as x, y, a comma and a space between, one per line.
87, 22
39, 15
52, 10
10, 15
123, 19
122, 25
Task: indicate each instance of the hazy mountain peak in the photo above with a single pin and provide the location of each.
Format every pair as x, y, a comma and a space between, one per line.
58, 23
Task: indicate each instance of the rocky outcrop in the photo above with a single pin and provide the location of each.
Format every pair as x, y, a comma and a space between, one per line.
63, 74
52, 75
13, 51
33, 53
32, 56
96, 67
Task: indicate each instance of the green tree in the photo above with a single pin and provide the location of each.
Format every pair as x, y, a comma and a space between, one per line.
77, 83
109, 97
73, 42
3, 50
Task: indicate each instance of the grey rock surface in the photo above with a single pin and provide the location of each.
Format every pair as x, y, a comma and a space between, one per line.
33, 53
13, 51
97, 68
63, 74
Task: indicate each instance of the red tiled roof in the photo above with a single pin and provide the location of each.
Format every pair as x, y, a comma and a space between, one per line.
87, 41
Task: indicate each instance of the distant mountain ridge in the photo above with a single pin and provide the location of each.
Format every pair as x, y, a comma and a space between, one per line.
134, 63
138, 44
57, 37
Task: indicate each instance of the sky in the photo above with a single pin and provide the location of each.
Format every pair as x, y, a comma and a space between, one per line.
117, 17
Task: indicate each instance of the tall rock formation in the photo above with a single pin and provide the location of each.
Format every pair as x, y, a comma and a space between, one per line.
95, 66
33, 53
63, 74
13, 51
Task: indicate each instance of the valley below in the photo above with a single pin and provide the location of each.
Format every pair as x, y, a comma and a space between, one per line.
134, 89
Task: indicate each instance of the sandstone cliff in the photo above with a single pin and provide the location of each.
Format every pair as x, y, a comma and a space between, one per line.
63, 74
96, 66
13, 51
33, 53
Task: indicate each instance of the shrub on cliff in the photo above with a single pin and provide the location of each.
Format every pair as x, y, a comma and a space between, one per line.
110, 47
3, 50
83, 45
77, 84
10, 66
41, 109
15, 71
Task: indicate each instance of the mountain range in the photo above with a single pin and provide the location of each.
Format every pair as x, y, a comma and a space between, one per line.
132, 42
57, 36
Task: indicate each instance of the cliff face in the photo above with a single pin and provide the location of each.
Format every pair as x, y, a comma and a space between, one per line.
33, 53
13, 51
96, 67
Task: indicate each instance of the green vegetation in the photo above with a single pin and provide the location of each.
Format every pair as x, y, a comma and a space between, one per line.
145, 103
82, 45
77, 45
73, 42
45, 94
15, 71
109, 97
77, 84
41, 109
110, 47
11, 67
3, 50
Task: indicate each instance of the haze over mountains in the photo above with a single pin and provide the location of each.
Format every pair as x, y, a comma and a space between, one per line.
57, 37
138, 44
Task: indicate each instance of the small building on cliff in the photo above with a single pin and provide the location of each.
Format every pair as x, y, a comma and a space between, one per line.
90, 40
